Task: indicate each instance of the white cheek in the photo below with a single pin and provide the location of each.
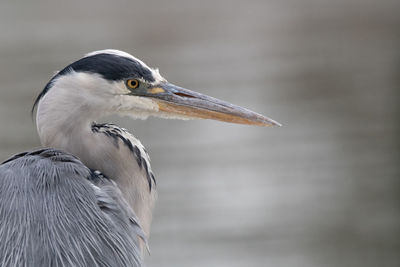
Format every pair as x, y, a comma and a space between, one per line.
129, 103
118, 88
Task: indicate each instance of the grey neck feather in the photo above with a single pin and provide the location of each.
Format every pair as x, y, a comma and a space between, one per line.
65, 121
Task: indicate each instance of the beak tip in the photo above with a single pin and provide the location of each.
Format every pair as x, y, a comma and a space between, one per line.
275, 123
271, 123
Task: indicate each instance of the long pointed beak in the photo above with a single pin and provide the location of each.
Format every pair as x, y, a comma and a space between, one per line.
176, 100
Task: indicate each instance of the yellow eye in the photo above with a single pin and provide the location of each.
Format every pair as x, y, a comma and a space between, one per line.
132, 83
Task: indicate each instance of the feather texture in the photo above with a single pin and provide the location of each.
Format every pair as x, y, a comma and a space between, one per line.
57, 212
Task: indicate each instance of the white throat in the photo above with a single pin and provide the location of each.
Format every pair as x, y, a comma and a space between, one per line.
64, 118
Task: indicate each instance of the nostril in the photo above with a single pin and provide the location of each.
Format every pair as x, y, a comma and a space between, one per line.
184, 95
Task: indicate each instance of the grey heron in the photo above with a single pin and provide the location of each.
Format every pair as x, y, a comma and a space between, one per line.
86, 198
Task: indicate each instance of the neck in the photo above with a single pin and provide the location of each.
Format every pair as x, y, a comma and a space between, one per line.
70, 129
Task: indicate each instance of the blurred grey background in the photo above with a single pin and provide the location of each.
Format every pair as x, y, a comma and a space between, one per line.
323, 190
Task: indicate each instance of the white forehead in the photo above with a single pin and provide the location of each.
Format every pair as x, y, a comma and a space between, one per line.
156, 74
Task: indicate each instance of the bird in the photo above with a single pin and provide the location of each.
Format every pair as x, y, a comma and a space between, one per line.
85, 198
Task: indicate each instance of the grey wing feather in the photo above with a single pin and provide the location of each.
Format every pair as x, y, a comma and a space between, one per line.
111, 202
54, 211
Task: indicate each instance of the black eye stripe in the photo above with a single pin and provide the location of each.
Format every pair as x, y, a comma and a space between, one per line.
113, 67
109, 66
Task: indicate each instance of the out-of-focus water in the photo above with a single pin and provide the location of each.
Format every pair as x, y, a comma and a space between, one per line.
323, 190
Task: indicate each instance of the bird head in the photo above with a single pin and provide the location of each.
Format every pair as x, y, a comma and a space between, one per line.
121, 83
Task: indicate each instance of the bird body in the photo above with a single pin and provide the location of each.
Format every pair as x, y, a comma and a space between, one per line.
57, 212
87, 200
